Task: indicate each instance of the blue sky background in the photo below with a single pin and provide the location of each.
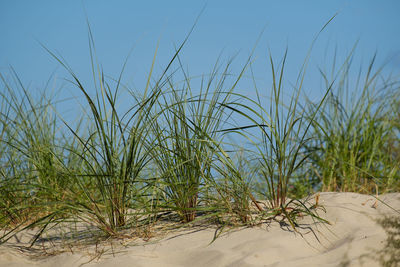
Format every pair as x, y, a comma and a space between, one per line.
229, 27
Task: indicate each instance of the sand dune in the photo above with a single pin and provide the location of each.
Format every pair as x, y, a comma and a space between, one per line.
355, 238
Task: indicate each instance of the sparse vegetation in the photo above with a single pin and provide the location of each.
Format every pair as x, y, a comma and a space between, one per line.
169, 153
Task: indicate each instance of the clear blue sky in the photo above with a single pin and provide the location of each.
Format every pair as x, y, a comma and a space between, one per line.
229, 26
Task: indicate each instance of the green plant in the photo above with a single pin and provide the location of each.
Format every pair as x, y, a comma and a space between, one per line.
233, 188
188, 140
350, 133
115, 152
95, 178
279, 152
282, 131
31, 151
33, 155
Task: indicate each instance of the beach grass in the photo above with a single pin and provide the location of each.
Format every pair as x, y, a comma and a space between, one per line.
171, 151
353, 147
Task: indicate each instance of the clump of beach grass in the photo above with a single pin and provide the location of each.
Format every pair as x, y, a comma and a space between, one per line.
116, 150
34, 153
280, 141
188, 139
278, 153
351, 135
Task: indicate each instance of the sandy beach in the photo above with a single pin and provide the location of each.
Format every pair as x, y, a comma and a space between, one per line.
354, 238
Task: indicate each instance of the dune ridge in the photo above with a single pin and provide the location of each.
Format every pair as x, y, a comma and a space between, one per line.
354, 238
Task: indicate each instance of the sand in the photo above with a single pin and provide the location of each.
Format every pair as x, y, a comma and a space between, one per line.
354, 238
